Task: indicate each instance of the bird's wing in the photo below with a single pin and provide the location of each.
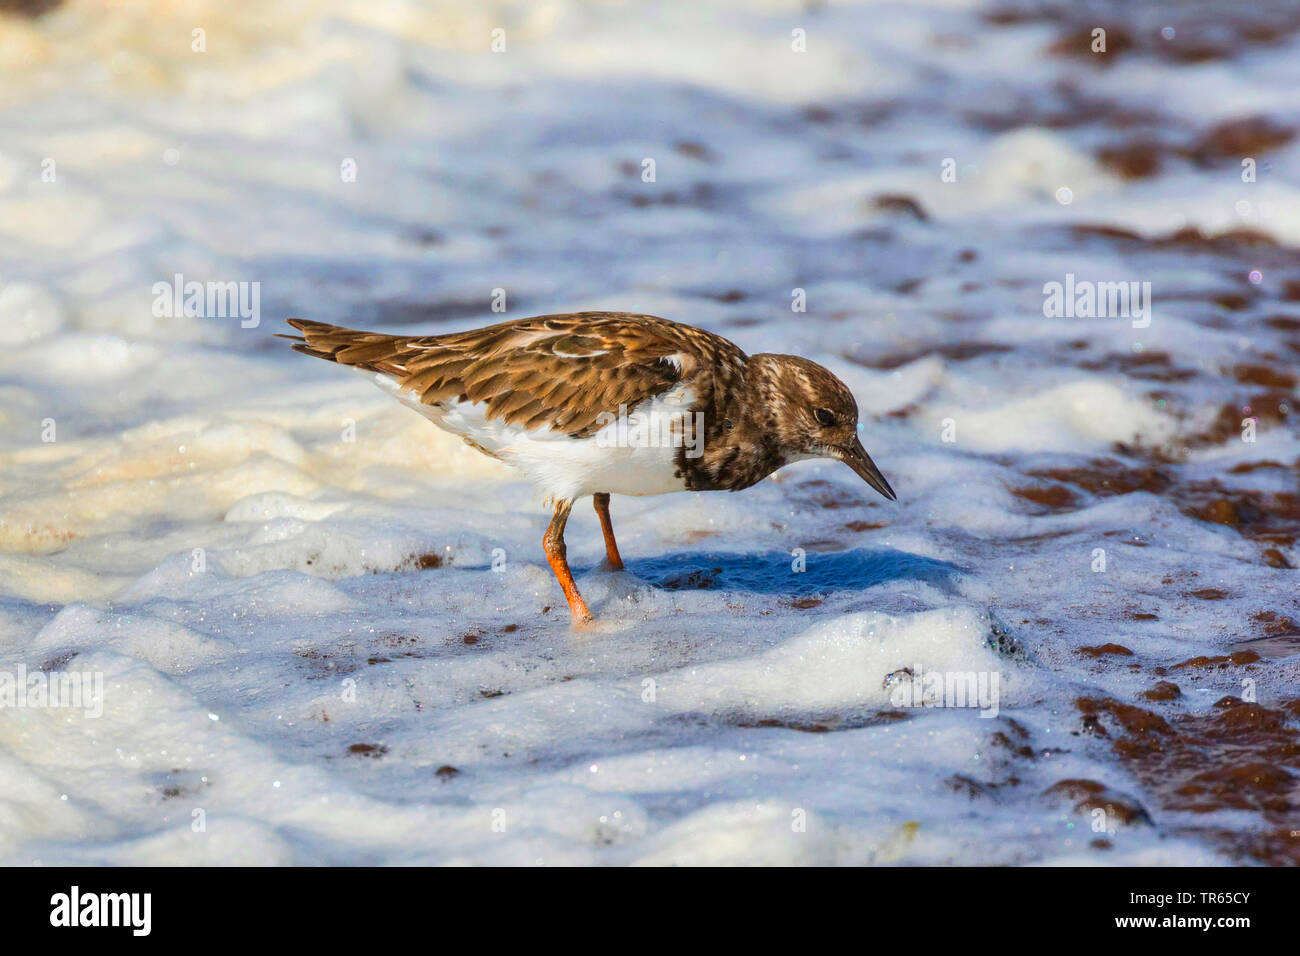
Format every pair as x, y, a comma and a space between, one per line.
556, 371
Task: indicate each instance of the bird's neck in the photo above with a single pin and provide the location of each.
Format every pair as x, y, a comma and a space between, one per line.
741, 445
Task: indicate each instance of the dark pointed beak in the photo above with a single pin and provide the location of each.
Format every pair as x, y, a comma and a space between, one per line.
856, 457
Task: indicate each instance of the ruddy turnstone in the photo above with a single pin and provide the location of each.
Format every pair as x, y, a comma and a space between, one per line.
601, 403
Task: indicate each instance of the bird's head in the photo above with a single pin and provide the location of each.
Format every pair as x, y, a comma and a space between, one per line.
815, 415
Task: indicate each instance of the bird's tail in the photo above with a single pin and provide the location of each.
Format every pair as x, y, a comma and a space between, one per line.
344, 346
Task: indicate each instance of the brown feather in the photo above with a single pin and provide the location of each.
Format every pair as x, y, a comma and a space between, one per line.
557, 370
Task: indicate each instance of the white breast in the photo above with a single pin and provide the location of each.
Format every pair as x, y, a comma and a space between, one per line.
633, 454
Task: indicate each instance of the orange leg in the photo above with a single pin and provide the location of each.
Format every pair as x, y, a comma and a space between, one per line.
553, 543
601, 500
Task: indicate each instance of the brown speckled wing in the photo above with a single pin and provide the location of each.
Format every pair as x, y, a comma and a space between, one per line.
560, 371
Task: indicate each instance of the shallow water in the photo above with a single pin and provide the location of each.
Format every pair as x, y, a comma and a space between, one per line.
326, 632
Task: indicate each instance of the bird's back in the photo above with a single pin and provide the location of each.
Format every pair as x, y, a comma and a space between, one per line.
551, 371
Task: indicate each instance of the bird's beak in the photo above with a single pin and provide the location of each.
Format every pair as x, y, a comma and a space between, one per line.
856, 457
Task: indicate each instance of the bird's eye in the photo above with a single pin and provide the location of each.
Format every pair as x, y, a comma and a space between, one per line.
825, 416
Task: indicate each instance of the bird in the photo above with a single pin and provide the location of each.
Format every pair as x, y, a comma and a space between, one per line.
601, 403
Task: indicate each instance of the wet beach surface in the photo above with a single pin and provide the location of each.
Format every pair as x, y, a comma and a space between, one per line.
331, 627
